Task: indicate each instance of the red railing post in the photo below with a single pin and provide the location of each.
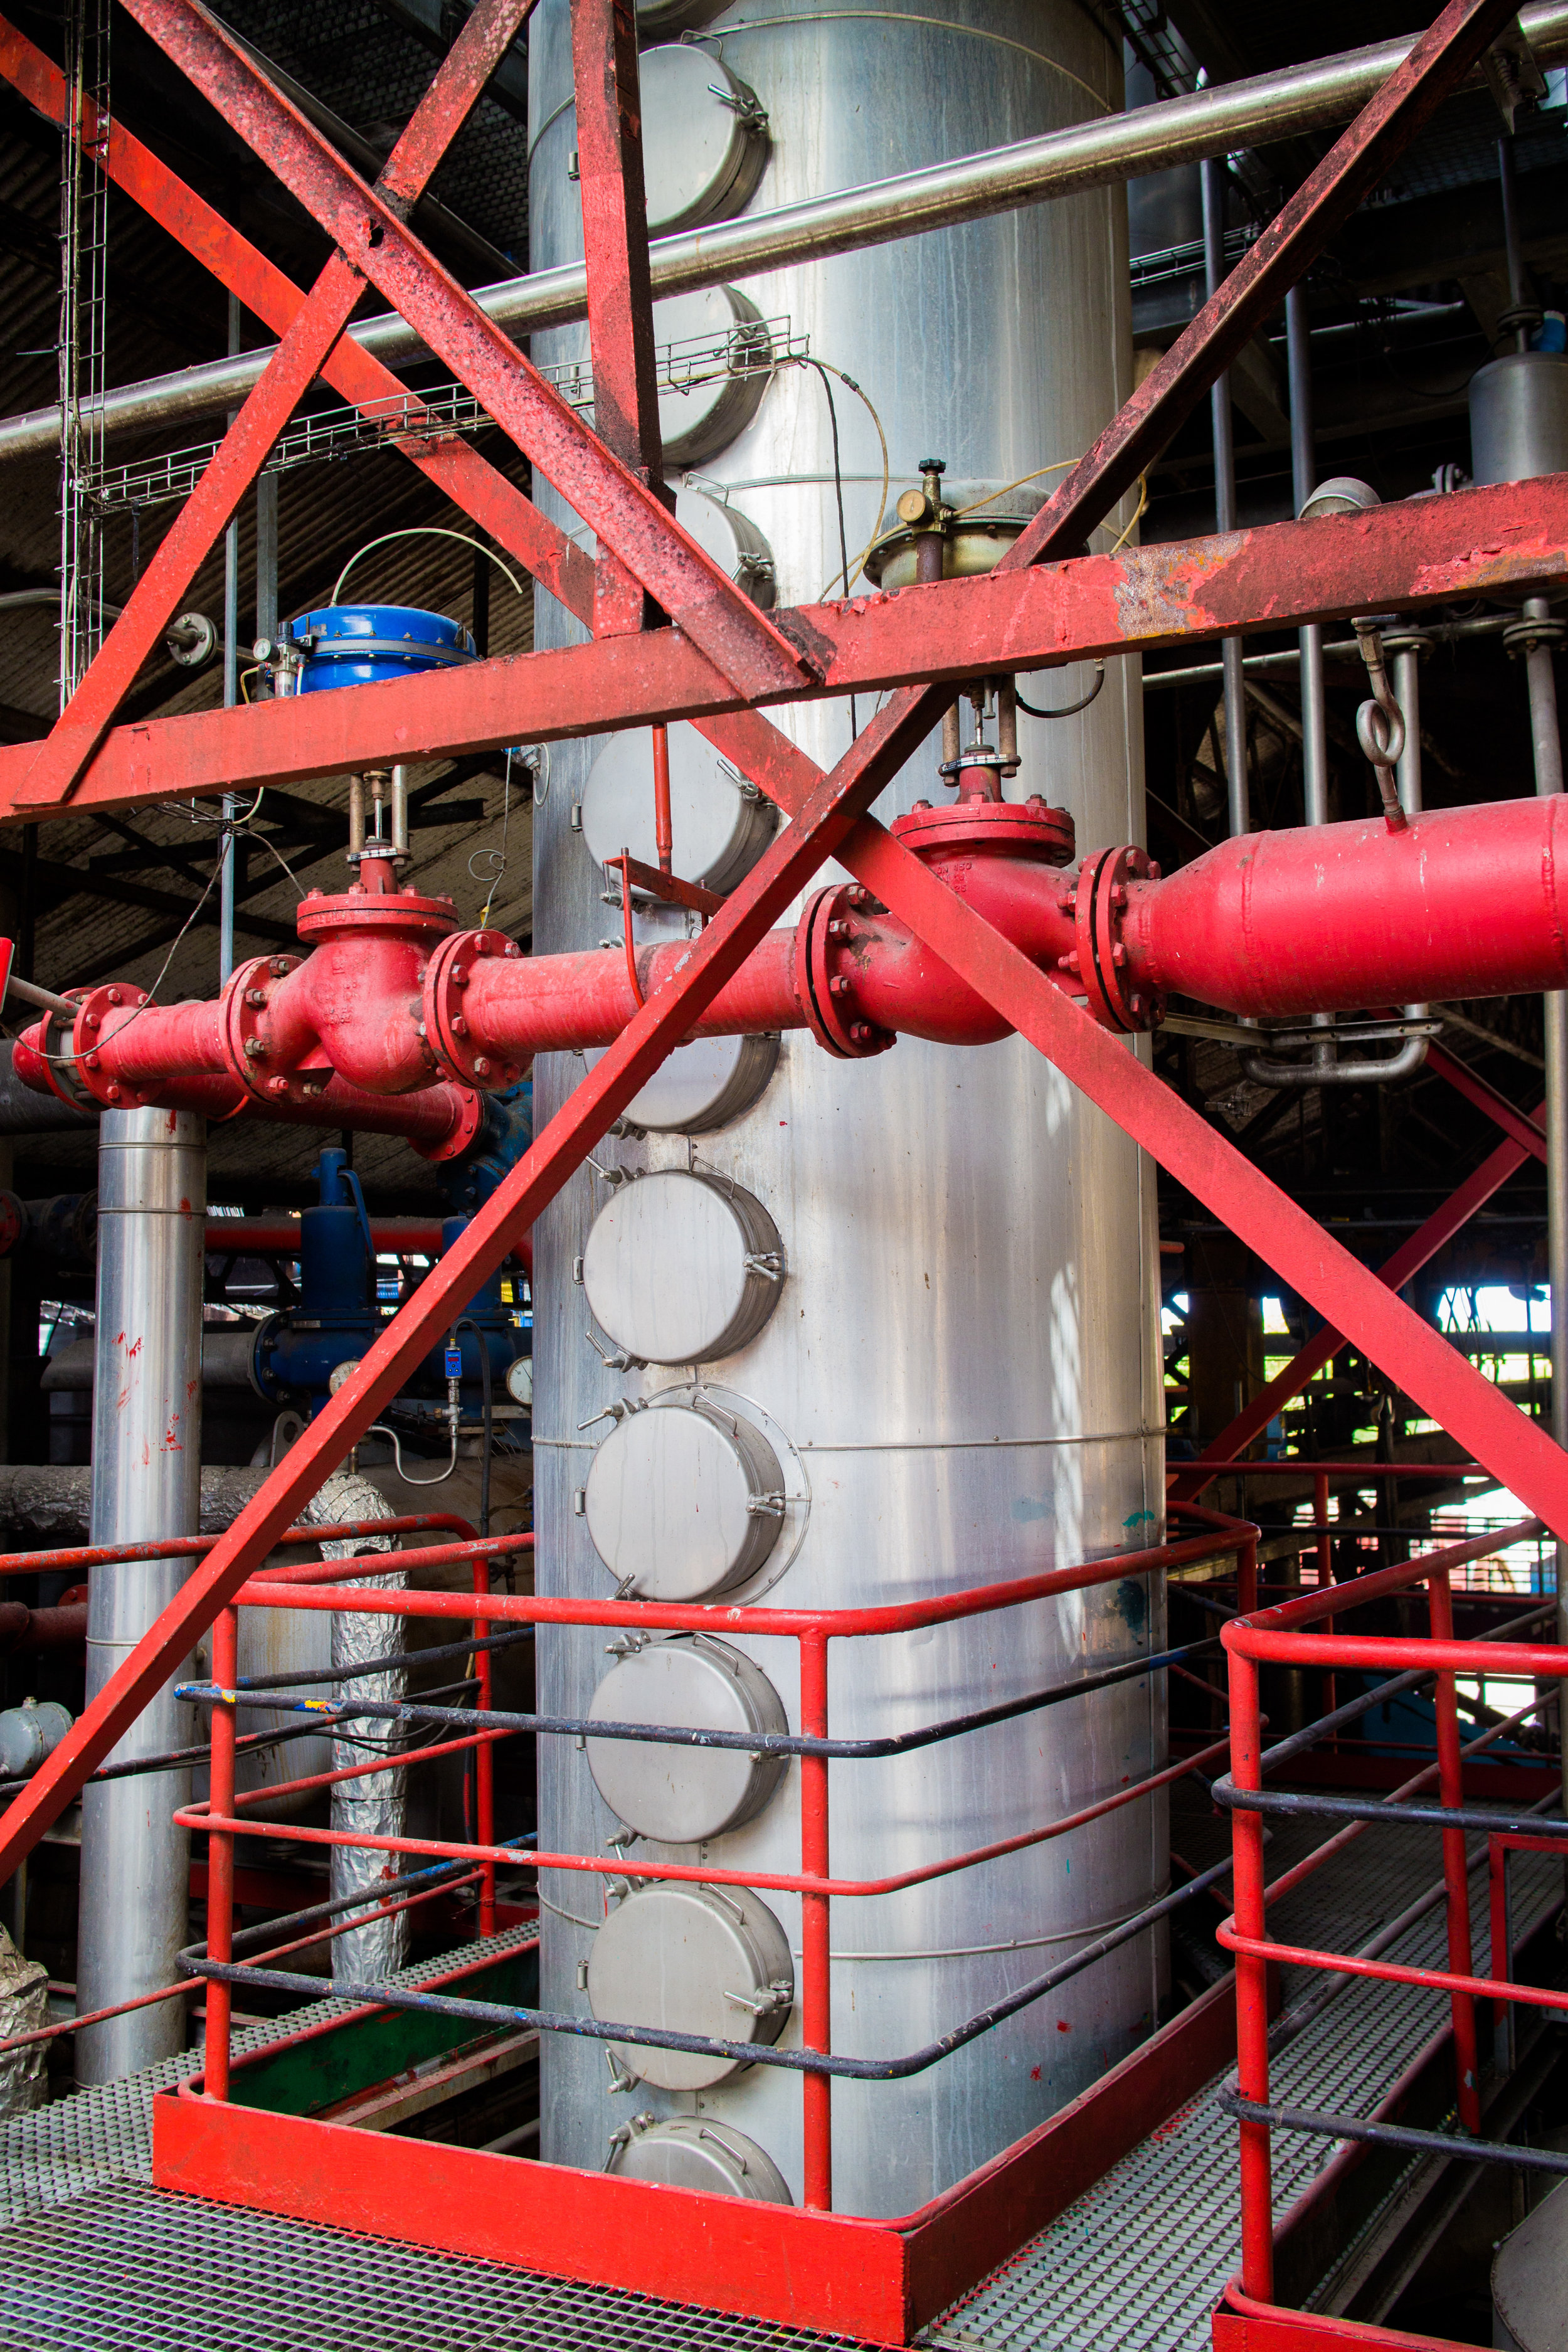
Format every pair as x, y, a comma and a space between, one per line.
1251, 1983
1325, 1576
1321, 1521
485, 1760
817, 2009
220, 1853
1246, 1577
1455, 1867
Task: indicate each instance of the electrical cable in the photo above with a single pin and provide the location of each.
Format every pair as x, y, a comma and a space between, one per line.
467, 1323
423, 531
67, 1061
497, 856
839, 501
1068, 709
865, 397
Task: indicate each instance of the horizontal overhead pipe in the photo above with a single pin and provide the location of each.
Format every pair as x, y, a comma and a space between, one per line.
1457, 904
1214, 121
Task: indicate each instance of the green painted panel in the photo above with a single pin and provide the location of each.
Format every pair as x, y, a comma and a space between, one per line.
359, 2053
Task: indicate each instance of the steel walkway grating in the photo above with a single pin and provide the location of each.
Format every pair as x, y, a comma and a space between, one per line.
96, 2260
1139, 2262
82, 2142
137, 2270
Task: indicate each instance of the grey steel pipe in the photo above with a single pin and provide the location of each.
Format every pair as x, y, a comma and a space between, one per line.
1223, 427
23, 1112
1303, 482
1214, 121
146, 1481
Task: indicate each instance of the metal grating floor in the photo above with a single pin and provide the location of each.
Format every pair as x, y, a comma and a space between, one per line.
96, 2260
139, 2269
105, 2135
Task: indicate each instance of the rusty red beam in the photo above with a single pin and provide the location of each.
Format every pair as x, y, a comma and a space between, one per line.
825, 822
1480, 542
318, 323
371, 235
620, 288
1438, 66
1513, 1121
451, 463
1407, 1260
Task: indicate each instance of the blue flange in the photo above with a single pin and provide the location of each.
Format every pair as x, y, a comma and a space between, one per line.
360, 644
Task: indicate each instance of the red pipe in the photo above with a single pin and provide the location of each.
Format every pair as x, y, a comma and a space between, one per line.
21, 1628
1462, 902
1459, 903
84, 1556
439, 1122
817, 1887
266, 1236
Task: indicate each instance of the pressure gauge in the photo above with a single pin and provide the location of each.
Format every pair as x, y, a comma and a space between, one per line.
520, 1379
341, 1372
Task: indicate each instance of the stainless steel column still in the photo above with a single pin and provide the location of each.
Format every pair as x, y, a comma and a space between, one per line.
1224, 504
146, 1481
960, 1379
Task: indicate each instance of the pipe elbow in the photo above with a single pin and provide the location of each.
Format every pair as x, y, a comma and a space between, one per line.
28, 1063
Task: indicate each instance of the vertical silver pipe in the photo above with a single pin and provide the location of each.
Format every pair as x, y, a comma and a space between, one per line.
1408, 694
1408, 659
1517, 297
1225, 506
1314, 705
1303, 482
265, 569
230, 691
146, 1481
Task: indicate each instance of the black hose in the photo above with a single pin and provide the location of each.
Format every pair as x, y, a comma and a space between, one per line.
1068, 709
467, 1323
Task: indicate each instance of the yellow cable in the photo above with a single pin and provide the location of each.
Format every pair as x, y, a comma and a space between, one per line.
1139, 513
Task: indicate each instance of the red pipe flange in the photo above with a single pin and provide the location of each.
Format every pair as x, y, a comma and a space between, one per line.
88, 1069
242, 1009
1100, 961
447, 1042
825, 964
1030, 828
332, 915
49, 1066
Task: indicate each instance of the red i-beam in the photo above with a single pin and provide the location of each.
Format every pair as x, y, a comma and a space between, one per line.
829, 818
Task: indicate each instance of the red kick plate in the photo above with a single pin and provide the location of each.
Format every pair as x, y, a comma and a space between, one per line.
875, 2280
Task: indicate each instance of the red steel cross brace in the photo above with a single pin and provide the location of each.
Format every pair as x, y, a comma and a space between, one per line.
829, 819
293, 368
